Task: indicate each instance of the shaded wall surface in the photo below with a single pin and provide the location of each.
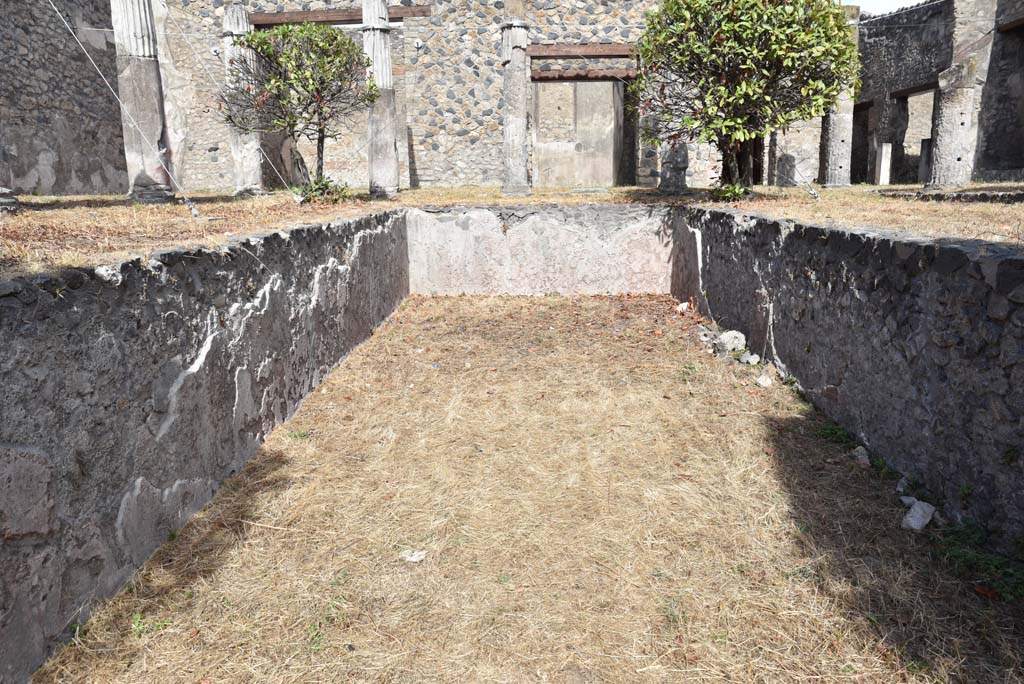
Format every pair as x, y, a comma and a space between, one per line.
1001, 118
916, 346
60, 127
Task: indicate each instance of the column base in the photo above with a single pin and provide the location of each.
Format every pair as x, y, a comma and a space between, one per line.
250, 192
383, 193
516, 190
156, 194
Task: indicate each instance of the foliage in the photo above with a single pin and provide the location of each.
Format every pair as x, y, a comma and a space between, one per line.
302, 79
323, 190
729, 192
732, 71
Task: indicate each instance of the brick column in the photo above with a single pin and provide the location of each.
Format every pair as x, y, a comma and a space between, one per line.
383, 134
516, 92
955, 142
140, 89
245, 147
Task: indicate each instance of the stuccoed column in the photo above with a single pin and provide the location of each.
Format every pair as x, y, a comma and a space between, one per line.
515, 39
955, 139
245, 147
383, 128
837, 126
138, 84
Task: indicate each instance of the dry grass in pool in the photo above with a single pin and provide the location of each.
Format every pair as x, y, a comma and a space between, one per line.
596, 499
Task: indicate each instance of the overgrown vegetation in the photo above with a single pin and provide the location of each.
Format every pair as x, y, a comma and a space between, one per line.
993, 575
734, 71
303, 80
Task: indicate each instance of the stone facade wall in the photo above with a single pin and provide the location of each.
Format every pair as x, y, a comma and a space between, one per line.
448, 80
131, 393
192, 67
794, 155
905, 49
59, 125
916, 346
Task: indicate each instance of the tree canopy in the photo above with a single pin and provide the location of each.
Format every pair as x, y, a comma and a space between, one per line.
303, 79
731, 71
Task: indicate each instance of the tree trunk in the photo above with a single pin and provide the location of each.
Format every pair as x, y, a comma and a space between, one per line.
730, 164
321, 136
746, 163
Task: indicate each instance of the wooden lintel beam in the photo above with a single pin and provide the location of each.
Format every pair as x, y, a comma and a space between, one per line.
923, 88
584, 51
584, 75
338, 16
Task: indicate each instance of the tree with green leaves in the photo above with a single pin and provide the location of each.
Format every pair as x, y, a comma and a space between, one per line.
732, 71
303, 79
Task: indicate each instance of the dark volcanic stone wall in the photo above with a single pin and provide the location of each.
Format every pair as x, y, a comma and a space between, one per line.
59, 125
905, 49
129, 394
916, 346
1001, 148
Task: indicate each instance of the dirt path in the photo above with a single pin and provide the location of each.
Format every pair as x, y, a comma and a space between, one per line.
596, 499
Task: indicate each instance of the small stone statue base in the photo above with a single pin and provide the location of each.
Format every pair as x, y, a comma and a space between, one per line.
8, 201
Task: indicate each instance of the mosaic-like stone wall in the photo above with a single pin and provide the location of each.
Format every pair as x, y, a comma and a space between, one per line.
60, 127
448, 81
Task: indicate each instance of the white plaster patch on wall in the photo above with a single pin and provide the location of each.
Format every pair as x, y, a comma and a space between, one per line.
172, 395
556, 250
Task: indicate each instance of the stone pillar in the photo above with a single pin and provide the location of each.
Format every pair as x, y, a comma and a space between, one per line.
924, 162
245, 147
837, 127
140, 89
383, 129
515, 39
955, 139
883, 163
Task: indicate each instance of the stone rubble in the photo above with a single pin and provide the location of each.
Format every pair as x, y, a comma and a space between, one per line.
861, 456
918, 517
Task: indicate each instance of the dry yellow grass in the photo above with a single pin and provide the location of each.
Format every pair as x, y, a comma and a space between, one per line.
84, 231
599, 500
